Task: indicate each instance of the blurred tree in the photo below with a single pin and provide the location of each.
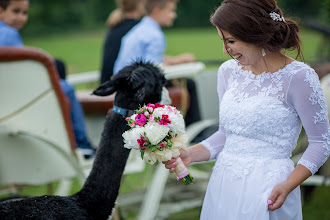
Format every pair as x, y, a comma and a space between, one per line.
316, 9
195, 12
100, 9
47, 16
325, 12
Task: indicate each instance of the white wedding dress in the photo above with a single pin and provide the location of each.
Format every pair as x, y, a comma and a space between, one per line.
260, 120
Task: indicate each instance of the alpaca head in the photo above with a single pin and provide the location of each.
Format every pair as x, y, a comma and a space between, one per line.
137, 84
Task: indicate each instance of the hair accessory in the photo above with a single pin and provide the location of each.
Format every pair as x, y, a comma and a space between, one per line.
276, 17
263, 53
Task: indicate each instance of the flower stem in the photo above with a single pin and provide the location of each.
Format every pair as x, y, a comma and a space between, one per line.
183, 173
187, 180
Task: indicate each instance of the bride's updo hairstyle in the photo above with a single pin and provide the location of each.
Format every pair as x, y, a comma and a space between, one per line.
258, 22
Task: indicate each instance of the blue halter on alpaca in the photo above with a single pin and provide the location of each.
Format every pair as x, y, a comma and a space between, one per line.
122, 111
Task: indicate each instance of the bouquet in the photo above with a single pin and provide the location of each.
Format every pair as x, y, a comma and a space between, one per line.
158, 131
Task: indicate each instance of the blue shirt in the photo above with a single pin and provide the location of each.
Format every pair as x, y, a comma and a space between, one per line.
145, 41
9, 36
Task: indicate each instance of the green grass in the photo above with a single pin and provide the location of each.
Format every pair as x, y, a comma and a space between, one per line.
319, 206
82, 51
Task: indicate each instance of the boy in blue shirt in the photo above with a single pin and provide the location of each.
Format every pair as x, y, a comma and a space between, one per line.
13, 16
146, 41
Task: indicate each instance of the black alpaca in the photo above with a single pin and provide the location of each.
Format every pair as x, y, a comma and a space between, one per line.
135, 85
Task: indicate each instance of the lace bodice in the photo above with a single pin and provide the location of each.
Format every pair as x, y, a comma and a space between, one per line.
261, 116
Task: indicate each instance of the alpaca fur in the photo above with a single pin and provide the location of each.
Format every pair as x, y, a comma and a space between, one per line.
135, 85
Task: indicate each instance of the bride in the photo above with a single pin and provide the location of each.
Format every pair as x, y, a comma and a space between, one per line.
265, 98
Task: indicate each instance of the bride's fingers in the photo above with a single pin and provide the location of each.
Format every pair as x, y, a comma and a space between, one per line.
166, 162
170, 161
170, 165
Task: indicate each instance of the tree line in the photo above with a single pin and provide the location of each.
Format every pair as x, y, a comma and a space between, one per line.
46, 16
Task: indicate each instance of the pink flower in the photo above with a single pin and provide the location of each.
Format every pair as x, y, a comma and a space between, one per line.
151, 118
127, 119
159, 105
146, 113
140, 119
164, 120
163, 144
172, 109
150, 109
132, 125
141, 142
151, 105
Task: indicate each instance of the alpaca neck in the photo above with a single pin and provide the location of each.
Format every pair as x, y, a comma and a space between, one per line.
100, 190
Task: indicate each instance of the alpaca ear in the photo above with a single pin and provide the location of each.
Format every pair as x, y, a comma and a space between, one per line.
136, 78
105, 89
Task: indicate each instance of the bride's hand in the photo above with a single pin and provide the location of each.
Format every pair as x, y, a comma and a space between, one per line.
277, 197
171, 164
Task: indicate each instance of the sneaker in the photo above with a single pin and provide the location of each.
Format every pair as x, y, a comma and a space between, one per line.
87, 151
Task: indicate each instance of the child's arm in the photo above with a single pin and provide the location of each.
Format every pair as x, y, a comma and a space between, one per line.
182, 58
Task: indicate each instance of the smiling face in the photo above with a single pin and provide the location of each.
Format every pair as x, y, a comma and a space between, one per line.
16, 14
246, 54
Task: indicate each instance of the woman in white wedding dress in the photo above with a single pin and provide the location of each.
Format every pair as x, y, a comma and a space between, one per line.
265, 98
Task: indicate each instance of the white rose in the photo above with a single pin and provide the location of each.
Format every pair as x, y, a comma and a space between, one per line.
131, 137
155, 132
177, 122
158, 112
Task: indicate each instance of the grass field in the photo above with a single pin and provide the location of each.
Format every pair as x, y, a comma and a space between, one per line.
82, 51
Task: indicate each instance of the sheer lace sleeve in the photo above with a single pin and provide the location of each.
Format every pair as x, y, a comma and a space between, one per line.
306, 96
215, 143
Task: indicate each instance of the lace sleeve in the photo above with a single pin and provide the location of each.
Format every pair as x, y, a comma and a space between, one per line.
306, 96
215, 143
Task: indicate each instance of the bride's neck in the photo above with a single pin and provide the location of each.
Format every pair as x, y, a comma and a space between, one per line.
270, 63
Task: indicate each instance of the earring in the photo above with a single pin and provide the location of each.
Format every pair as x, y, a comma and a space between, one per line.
263, 53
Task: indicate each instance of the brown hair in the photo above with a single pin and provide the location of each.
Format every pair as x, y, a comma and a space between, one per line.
249, 21
124, 6
4, 4
151, 4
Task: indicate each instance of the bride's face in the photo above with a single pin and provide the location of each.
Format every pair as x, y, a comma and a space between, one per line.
244, 53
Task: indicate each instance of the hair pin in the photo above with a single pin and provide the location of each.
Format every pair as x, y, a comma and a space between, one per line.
276, 17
